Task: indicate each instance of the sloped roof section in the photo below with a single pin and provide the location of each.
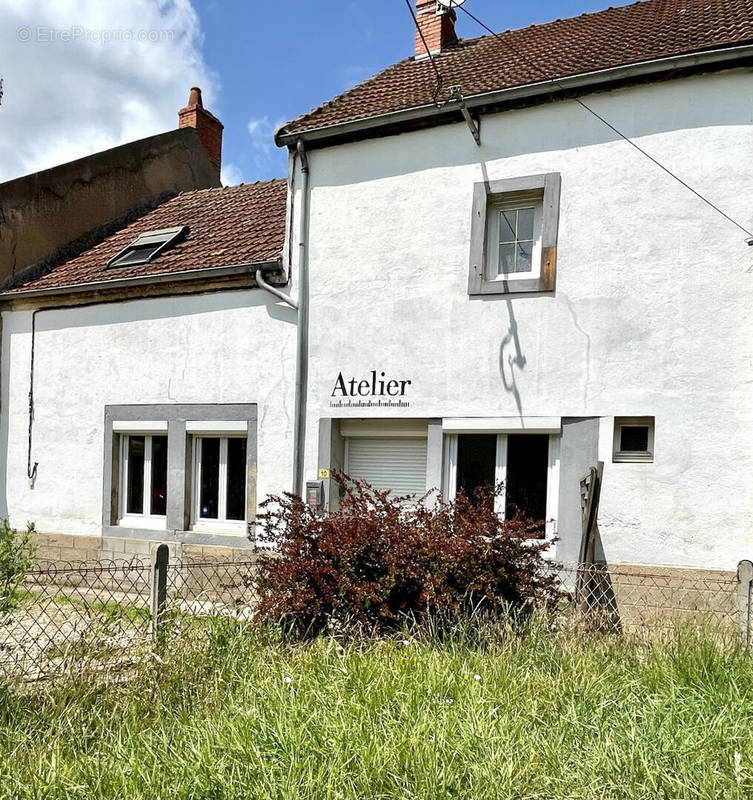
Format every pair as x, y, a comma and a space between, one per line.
641, 32
227, 226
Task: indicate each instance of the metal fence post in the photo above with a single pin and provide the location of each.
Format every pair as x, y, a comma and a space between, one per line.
158, 598
744, 581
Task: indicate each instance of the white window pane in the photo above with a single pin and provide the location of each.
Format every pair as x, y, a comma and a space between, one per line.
507, 226
506, 258
525, 224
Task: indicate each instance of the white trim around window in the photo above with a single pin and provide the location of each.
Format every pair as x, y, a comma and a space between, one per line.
211, 512
138, 478
450, 475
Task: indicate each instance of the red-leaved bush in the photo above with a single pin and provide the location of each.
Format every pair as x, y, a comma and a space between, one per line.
378, 561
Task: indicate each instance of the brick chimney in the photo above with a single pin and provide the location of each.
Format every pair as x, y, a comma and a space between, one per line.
437, 25
209, 128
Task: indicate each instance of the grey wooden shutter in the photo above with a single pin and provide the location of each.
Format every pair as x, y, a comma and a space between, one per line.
395, 463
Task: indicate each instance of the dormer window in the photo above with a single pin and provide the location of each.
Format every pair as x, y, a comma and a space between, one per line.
146, 247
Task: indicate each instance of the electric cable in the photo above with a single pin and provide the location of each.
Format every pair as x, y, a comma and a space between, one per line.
626, 138
440, 81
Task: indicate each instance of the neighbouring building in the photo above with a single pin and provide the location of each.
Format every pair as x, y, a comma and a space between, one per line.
498, 286
49, 216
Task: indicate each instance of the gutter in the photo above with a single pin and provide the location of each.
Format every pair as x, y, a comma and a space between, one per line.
148, 280
302, 341
585, 80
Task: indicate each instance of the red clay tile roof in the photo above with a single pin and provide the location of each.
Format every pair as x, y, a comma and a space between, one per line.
643, 31
229, 226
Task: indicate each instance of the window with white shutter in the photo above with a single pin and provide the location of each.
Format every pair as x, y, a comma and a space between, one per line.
395, 463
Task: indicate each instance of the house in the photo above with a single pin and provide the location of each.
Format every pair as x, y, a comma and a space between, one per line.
505, 262
49, 216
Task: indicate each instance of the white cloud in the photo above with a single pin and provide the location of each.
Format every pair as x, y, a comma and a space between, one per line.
231, 175
265, 151
84, 75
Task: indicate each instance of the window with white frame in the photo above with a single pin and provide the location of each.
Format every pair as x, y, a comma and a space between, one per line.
633, 439
219, 481
143, 479
526, 464
514, 230
515, 239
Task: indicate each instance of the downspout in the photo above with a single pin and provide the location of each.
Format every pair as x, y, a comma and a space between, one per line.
268, 287
302, 361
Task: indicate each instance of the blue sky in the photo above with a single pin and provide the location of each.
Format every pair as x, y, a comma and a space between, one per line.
277, 59
123, 69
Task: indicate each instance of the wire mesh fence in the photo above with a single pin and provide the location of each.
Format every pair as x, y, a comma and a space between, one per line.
625, 599
109, 616
71, 616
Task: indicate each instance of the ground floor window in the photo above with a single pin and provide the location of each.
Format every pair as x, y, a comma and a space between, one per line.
219, 478
527, 464
143, 489
180, 468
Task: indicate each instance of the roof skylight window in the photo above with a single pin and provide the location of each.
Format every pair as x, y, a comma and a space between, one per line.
146, 247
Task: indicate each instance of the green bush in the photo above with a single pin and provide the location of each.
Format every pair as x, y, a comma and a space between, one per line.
17, 550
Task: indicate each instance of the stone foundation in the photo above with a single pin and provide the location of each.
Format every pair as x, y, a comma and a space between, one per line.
60, 548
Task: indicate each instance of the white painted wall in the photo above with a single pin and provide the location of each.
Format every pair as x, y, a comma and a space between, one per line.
651, 315
228, 347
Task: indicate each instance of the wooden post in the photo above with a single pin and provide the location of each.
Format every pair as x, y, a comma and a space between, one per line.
744, 581
158, 598
590, 495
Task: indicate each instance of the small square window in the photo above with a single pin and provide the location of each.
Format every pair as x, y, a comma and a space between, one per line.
633, 439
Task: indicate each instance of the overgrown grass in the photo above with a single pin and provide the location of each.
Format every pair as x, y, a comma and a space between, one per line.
235, 712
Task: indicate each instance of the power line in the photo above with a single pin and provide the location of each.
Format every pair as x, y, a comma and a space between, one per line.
609, 125
426, 47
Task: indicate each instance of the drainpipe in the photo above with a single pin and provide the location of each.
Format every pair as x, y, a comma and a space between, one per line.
302, 361
268, 287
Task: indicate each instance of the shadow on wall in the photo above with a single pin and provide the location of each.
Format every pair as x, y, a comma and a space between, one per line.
512, 359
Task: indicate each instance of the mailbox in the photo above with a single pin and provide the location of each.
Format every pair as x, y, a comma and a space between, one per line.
315, 494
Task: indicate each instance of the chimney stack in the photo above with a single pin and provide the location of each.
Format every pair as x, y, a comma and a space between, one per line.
437, 25
209, 128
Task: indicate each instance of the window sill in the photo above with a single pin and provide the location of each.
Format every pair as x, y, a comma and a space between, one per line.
220, 526
513, 286
150, 523
633, 458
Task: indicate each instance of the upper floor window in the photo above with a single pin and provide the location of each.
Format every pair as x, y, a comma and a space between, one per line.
514, 235
515, 240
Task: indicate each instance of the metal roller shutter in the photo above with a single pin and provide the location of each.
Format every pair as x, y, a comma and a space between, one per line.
398, 464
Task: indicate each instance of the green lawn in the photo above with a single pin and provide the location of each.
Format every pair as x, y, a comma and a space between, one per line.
233, 712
